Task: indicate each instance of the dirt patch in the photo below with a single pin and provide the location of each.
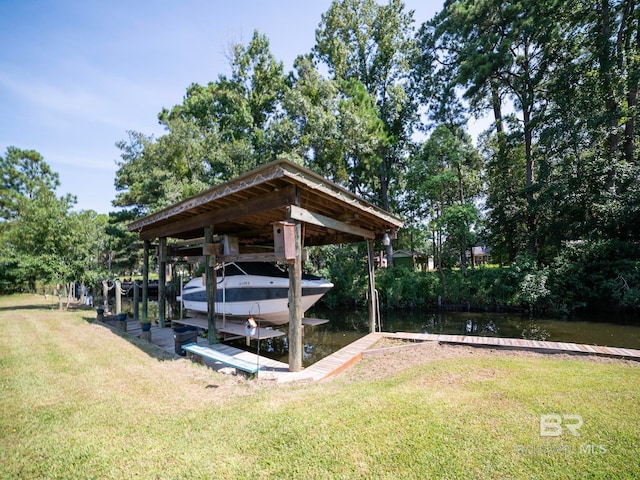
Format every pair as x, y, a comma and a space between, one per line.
393, 356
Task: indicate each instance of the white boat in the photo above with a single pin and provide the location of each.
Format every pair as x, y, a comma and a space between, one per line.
253, 289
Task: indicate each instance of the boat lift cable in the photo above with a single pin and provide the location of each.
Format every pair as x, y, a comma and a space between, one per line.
223, 273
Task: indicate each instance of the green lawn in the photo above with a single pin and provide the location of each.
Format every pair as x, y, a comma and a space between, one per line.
80, 401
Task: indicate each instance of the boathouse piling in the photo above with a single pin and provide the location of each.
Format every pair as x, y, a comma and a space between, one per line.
295, 302
118, 296
145, 281
211, 283
162, 280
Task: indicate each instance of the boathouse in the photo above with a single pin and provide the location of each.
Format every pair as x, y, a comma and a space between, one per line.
271, 213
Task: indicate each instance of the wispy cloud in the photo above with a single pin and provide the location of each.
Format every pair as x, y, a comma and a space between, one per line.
88, 96
83, 162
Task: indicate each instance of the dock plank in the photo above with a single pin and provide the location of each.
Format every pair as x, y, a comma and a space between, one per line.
522, 344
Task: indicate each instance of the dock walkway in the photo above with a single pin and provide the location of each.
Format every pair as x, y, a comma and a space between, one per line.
519, 343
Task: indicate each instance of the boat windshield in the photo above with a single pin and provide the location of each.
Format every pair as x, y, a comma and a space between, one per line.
262, 269
254, 268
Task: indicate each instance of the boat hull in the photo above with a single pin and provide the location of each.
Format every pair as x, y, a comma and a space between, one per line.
266, 299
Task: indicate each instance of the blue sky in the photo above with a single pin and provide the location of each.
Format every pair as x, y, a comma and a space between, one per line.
75, 76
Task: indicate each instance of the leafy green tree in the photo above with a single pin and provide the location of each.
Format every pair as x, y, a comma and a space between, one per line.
23, 174
372, 43
141, 176
337, 130
310, 106
362, 136
589, 139
218, 132
505, 201
38, 238
41, 238
120, 255
445, 181
500, 48
359, 39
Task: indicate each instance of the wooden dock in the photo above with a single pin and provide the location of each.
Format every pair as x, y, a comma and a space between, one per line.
269, 368
519, 343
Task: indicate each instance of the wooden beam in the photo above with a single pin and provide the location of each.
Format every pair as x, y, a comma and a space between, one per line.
185, 252
136, 301
304, 215
211, 249
268, 201
250, 257
335, 239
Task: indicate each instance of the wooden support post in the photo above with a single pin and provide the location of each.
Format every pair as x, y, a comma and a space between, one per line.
371, 301
181, 300
136, 301
145, 281
118, 291
105, 296
295, 303
211, 280
162, 281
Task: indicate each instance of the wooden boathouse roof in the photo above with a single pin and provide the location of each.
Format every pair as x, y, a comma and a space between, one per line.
248, 206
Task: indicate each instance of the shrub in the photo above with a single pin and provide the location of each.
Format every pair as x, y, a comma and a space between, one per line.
400, 287
598, 275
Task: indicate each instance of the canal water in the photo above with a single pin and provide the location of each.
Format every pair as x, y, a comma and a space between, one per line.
346, 326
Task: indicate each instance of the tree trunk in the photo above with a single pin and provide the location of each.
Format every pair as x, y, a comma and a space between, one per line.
496, 102
530, 173
384, 196
606, 66
633, 67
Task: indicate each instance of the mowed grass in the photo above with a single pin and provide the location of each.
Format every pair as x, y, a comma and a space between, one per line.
80, 401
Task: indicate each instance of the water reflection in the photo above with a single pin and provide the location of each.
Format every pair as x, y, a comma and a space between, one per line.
532, 330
